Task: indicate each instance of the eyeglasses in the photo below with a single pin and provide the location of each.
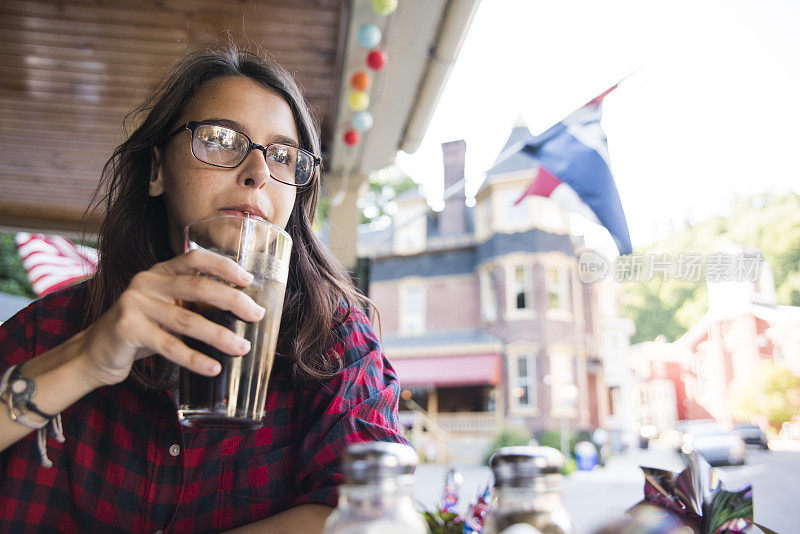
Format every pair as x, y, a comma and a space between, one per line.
221, 146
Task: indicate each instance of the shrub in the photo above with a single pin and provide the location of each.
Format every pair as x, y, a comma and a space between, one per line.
569, 467
508, 437
552, 438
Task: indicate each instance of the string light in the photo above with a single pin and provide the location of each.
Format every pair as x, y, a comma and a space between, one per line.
369, 36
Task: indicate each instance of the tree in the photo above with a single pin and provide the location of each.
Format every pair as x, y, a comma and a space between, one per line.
384, 185
772, 392
769, 222
664, 307
13, 279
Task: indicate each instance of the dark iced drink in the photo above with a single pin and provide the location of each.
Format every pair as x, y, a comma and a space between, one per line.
235, 397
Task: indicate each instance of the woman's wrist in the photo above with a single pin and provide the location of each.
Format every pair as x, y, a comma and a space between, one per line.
62, 375
93, 375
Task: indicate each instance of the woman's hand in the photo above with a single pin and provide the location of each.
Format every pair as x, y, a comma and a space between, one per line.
147, 318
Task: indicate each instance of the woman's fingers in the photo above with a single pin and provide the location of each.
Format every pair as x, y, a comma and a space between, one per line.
221, 296
178, 279
149, 318
186, 322
146, 318
205, 261
174, 349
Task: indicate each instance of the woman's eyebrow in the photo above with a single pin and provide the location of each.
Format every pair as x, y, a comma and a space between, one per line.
236, 126
225, 122
285, 140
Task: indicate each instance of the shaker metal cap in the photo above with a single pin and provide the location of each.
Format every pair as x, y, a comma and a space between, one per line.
377, 461
514, 466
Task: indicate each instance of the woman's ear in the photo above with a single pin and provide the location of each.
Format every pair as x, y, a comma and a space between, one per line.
157, 174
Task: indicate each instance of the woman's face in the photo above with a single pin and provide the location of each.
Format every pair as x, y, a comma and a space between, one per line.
193, 189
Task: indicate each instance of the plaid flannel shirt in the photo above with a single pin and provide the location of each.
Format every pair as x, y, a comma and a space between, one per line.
128, 465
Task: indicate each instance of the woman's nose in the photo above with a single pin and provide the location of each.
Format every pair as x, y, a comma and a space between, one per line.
253, 172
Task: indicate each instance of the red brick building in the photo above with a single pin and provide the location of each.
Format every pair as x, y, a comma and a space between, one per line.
660, 372
693, 378
482, 312
743, 327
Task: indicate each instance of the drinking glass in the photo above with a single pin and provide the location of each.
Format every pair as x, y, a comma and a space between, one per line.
235, 397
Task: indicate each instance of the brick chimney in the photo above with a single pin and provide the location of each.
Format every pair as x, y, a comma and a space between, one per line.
452, 219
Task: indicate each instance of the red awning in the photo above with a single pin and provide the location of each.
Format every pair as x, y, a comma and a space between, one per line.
471, 370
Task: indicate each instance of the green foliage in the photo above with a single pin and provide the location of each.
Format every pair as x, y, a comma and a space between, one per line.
443, 522
569, 467
769, 222
384, 185
725, 506
772, 391
662, 307
13, 279
508, 437
552, 438
323, 208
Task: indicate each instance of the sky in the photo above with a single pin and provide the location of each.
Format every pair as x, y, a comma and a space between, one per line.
709, 111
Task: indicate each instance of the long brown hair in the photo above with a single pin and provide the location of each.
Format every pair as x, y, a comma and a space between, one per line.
133, 235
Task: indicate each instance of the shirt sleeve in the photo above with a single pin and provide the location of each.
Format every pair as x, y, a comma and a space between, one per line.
358, 404
43, 325
16, 339
15, 348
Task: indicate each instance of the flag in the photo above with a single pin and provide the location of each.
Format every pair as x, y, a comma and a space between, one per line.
53, 262
572, 169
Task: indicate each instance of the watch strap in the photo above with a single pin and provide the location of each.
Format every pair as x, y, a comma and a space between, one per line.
21, 390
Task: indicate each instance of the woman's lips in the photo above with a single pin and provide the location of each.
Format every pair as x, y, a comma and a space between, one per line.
243, 212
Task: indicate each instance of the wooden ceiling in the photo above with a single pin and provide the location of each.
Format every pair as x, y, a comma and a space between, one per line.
72, 69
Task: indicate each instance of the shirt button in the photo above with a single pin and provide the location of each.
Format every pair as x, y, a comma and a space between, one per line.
174, 449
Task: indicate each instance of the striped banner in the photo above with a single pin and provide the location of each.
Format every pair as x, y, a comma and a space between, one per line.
53, 262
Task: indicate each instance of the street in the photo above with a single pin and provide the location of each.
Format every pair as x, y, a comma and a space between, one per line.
594, 498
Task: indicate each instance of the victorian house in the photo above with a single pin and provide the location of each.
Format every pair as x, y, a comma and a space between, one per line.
482, 312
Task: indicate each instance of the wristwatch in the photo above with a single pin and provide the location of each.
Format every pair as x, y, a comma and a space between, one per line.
21, 390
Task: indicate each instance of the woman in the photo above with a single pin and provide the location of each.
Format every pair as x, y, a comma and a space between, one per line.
105, 353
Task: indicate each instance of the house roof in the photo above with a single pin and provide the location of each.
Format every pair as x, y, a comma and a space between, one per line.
457, 257
409, 194
510, 159
785, 315
439, 339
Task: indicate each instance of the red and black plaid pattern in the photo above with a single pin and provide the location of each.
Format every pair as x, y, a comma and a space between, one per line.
128, 466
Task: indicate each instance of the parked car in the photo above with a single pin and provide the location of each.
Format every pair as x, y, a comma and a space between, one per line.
682, 427
751, 434
716, 444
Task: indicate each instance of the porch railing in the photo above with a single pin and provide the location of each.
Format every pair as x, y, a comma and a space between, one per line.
468, 422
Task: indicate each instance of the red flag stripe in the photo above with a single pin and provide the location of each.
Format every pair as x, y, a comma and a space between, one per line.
53, 262
542, 185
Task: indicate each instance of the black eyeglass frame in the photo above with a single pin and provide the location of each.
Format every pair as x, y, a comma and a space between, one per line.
193, 125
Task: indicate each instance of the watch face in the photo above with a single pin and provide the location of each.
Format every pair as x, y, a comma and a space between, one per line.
19, 386
22, 390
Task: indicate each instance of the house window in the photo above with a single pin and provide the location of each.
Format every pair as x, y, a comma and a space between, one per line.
488, 303
522, 288
412, 308
557, 289
523, 391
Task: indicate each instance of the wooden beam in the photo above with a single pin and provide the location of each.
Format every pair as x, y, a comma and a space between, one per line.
41, 218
